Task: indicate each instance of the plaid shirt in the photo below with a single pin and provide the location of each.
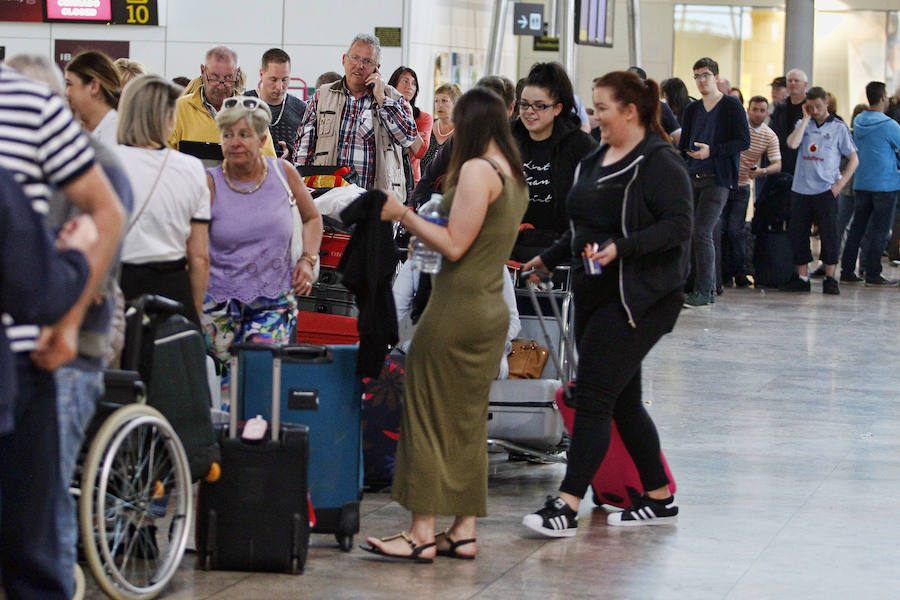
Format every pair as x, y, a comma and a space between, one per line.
356, 141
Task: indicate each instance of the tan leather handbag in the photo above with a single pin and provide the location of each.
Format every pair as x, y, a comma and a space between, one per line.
527, 359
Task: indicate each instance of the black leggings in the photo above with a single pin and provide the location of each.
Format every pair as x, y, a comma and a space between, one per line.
609, 388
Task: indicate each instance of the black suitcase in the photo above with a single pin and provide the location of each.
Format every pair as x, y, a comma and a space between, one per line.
256, 516
773, 259
381, 411
329, 299
170, 354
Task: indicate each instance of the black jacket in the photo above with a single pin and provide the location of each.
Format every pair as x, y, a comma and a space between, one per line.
782, 126
38, 284
570, 144
657, 220
732, 137
368, 267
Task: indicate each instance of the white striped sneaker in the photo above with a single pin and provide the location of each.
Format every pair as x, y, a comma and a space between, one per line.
646, 511
556, 519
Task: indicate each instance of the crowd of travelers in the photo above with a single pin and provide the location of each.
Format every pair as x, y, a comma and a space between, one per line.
645, 193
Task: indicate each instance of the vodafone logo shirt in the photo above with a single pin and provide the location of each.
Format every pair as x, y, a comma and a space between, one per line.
819, 156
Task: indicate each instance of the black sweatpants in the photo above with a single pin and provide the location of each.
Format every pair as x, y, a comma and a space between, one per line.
609, 388
822, 210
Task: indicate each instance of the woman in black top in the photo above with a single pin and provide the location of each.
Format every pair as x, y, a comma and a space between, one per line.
633, 195
552, 143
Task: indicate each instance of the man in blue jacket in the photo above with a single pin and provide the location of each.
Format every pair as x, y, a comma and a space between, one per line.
876, 185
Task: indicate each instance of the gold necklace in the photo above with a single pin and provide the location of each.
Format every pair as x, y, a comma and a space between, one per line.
240, 190
437, 125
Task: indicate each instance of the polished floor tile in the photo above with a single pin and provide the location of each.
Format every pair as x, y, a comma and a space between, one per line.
780, 419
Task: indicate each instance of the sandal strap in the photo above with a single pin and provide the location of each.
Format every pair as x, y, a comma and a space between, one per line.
456, 544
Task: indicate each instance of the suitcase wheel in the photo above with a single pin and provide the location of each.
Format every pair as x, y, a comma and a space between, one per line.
344, 541
295, 566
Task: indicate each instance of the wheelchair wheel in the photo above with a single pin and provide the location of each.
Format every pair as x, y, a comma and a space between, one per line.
135, 509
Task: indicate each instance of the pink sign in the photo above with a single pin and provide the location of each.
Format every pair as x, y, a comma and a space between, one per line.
79, 10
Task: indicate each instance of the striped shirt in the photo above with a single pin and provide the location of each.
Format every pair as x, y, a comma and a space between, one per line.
762, 140
40, 142
356, 141
42, 145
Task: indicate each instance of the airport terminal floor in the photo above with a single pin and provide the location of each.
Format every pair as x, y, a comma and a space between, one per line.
780, 419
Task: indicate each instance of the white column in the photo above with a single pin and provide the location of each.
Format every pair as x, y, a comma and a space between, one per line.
799, 21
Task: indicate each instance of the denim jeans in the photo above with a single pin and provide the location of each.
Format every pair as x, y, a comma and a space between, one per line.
732, 226
873, 218
709, 199
77, 392
29, 493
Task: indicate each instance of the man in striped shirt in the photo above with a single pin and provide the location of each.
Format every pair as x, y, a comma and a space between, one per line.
762, 141
42, 146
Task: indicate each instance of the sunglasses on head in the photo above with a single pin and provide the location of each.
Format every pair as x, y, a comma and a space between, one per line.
248, 102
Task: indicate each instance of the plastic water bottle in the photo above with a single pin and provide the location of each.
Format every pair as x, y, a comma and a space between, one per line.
424, 258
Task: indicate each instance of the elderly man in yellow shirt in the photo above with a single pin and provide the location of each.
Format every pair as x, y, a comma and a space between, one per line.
195, 112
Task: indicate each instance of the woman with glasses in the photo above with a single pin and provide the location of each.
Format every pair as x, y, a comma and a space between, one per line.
93, 86
445, 98
405, 81
165, 249
252, 281
441, 463
552, 143
630, 210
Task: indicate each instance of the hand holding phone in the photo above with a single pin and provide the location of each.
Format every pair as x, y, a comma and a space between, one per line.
376, 84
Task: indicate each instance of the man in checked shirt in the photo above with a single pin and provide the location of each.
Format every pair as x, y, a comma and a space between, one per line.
359, 121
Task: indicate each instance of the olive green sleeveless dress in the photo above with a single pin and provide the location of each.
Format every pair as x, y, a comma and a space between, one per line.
441, 464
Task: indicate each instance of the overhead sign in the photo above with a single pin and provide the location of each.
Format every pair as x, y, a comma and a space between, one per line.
546, 44
64, 50
528, 19
86, 11
594, 22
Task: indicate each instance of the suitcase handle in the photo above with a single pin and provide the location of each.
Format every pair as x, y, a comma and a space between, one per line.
251, 347
305, 353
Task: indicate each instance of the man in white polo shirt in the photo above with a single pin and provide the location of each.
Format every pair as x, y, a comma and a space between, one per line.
821, 141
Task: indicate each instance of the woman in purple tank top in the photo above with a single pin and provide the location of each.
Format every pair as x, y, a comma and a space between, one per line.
252, 280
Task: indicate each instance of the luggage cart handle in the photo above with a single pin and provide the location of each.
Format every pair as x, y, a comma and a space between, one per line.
532, 292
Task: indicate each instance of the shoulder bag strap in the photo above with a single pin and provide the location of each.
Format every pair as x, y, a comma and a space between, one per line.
162, 168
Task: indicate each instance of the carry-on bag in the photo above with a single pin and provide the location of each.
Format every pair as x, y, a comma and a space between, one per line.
381, 411
318, 387
170, 354
256, 516
616, 481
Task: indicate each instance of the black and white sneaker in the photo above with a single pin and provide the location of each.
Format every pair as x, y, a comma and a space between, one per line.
556, 519
646, 511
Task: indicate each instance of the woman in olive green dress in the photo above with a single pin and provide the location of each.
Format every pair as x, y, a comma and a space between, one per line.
441, 467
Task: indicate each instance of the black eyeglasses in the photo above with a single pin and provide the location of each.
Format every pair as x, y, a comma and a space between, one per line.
216, 80
537, 106
248, 102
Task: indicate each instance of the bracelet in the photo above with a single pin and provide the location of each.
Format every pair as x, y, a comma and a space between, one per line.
312, 259
400, 220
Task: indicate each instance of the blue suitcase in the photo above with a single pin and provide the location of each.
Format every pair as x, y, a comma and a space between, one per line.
319, 388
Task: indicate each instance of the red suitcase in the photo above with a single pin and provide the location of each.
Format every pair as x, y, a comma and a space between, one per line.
325, 329
617, 478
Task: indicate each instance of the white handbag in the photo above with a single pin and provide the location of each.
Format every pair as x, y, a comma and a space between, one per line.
297, 236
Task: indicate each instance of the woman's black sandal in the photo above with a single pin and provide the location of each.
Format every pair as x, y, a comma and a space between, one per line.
451, 551
415, 554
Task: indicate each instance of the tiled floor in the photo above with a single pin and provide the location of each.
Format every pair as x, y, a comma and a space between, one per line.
780, 418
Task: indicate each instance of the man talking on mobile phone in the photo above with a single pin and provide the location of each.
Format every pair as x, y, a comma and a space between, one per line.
359, 121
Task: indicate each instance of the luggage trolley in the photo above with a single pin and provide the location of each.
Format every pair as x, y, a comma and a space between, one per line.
135, 500
524, 418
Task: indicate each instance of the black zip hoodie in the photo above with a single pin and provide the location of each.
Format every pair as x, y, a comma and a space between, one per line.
656, 221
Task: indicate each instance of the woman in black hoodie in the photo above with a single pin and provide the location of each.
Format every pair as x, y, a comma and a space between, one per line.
552, 143
630, 211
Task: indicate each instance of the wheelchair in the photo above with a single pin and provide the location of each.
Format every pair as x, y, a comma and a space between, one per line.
135, 500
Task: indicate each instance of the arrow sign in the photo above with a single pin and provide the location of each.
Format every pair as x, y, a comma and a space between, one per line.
528, 19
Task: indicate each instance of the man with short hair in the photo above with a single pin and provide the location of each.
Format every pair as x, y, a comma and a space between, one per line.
779, 90
876, 185
714, 132
786, 114
763, 141
821, 140
359, 121
287, 109
195, 112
